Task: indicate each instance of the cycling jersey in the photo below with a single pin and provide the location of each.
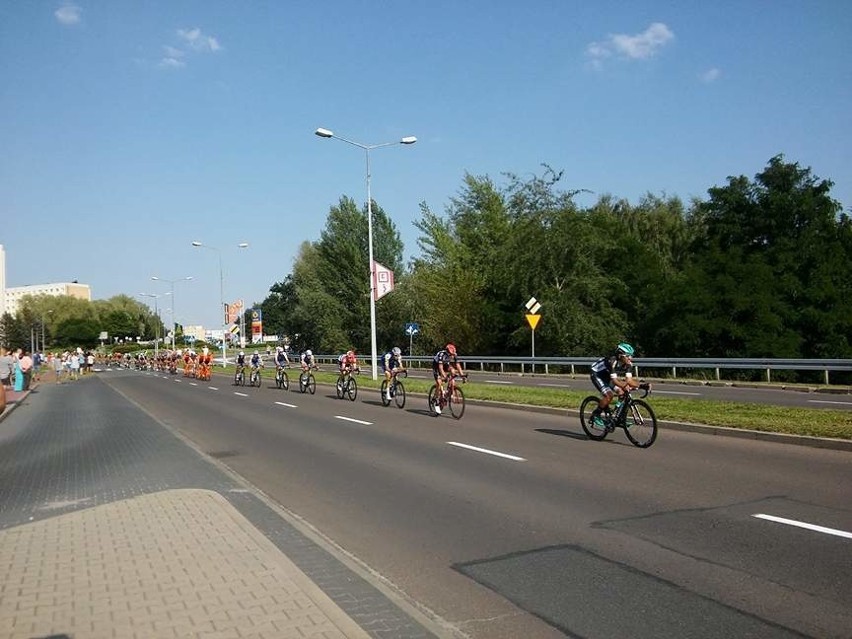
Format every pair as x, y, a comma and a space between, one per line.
281, 359
241, 360
391, 362
443, 357
307, 360
255, 360
609, 367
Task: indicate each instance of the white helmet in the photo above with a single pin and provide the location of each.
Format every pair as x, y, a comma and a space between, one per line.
242, 353
309, 352
397, 351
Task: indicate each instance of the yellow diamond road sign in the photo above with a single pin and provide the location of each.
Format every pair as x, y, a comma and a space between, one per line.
533, 320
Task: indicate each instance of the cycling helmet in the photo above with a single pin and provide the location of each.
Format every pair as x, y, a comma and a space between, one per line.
242, 353
624, 349
451, 349
396, 351
309, 353
350, 353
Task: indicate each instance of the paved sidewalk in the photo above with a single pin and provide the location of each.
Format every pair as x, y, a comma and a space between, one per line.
113, 527
181, 563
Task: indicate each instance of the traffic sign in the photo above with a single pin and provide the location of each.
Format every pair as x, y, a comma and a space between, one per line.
532, 305
532, 320
412, 328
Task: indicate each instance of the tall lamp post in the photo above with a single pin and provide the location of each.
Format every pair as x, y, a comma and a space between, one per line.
221, 292
172, 311
325, 133
157, 323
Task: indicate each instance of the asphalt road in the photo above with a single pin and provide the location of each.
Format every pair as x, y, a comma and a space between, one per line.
512, 524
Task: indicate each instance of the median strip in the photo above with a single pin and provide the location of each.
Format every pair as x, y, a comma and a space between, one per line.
487, 452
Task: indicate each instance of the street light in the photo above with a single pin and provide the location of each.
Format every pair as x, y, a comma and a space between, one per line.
325, 133
157, 322
172, 310
241, 245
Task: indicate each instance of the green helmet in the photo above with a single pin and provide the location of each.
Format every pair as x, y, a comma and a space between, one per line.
624, 349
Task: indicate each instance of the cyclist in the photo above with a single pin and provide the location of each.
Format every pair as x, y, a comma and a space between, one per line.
348, 363
606, 373
306, 360
241, 362
281, 359
256, 361
392, 363
444, 364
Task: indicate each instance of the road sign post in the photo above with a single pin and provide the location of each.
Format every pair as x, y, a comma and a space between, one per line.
412, 329
533, 318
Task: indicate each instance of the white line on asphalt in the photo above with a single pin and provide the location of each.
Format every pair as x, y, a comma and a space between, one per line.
555, 385
802, 524
240, 394
178, 381
349, 419
486, 451
660, 392
193, 384
212, 388
286, 404
825, 401
494, 381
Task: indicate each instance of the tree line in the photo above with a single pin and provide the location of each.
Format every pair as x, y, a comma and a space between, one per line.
757, 269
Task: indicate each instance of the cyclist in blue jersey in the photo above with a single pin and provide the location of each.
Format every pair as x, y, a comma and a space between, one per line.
391, 363
606, 377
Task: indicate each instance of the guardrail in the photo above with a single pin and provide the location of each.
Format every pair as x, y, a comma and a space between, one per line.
570, 365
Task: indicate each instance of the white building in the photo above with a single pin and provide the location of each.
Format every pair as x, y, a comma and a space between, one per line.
12, 296
2, 280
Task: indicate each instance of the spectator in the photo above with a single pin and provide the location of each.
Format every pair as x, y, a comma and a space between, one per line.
75, 365
7, 367
58, 367
26, 363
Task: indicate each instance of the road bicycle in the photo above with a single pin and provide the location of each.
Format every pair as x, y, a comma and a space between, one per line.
395, 392
307, 383
451, 396
635, 416
282, 380
254, 376
240, 376
346, 385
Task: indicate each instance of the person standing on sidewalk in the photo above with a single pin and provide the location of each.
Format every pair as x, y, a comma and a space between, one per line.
26, 363
7, 367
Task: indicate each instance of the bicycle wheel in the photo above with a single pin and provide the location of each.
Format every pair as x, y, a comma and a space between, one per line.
594, 431
640, 424
399, 395
339, 387
311, 384
383, 392
352, 389
432, 399
285, 382
456, 402
237, 378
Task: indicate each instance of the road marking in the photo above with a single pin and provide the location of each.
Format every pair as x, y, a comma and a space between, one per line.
661, 392
802, 524
495, 381
556, 385
349, 419
212, 388
178, 381
286, 404
240, 394
825, 401
193, 384
486, 451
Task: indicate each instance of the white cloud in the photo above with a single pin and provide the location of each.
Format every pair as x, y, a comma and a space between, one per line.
634, 47
172, 58
711, 75
198, 41
68, 14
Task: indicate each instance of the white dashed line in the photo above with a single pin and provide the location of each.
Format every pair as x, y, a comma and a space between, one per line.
286, 404
662, 392
556, 385
193, 384
826, 401
240, 394
494, 381
349, 419
802, 524
487, 452
212, 388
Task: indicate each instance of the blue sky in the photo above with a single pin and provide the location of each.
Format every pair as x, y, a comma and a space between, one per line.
130, 129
